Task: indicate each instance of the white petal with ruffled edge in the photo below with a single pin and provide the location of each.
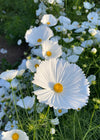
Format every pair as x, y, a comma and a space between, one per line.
75, 85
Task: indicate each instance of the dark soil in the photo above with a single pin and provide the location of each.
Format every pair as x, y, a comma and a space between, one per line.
14, 53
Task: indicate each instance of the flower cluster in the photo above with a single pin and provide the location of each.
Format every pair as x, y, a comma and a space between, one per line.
51, 71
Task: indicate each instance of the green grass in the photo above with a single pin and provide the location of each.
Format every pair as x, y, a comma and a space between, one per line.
16, 17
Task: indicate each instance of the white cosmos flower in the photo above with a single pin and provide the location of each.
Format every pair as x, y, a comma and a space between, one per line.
4, 83
87, 43
88, 5
68, 27
63, 55
77, 50
91, 78
3, 92
68, 51
49, 20
73, 58
59, 1
35, 1
41, 10
51, 1
37, 52
8, 75
78, 12
68, 40
64, 85
15, 134
85, 24
20, 72
79, 30
93, 17
92, 31
22, 65
75, 25
40, 107
64, 20
55, 121
36, 35
14, 83
55, 38
27, 102
97, 36
11, 125
60, 112
32, 64
59, 28
51, 49
98, 12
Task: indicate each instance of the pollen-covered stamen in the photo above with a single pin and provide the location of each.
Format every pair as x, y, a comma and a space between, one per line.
59, 28
39, 40
48, 23
15, 136
58, 87
36, 65
12, 126
59, 110
91, 17
48, 53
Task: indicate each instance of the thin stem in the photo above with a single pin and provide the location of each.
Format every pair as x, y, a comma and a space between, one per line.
16, 108
74, 125
34, 135
89, 125
79, 125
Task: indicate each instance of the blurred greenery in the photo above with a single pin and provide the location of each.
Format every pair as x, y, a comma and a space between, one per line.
16, 17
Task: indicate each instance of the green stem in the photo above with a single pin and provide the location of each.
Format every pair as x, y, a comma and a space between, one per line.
89, 129
16, 109
22, 100
34, 135
91, 118
74, 125
79, 126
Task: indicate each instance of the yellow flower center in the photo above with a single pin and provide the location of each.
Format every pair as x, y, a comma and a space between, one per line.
58, 87
48, 53
59, 110
91, 17
79, 109
36, 65
39, 40
15, 136
12, 126
58, 28
48, 23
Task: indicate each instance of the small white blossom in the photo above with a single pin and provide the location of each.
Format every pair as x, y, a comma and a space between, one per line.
55, 121
19, 42
94, 50
3, 51
52, 131
27, 102
91, 78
